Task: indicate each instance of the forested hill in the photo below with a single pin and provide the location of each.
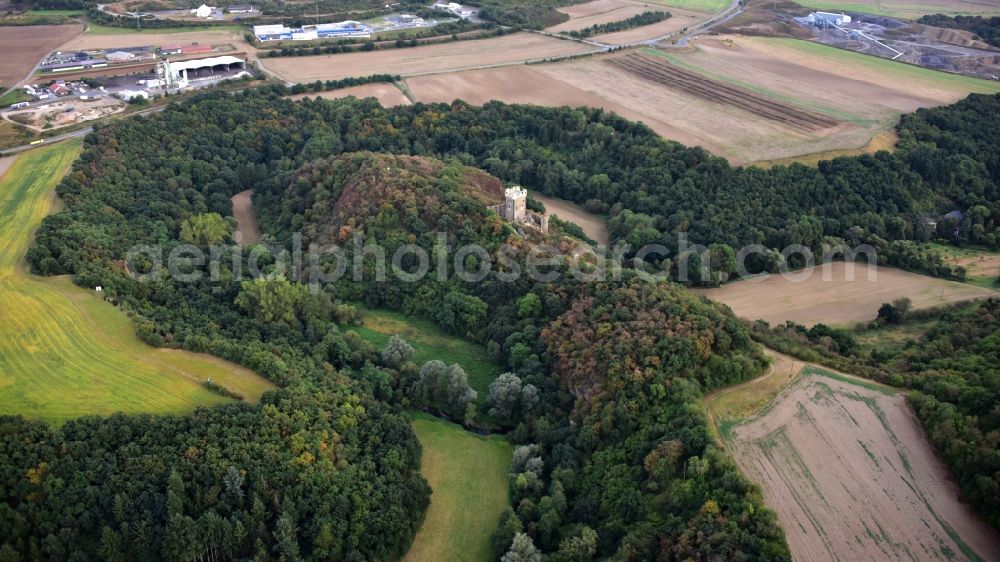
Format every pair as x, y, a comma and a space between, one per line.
330, 198
652, 189
615, 458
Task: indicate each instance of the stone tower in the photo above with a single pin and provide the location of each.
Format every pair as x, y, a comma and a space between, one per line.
515, 205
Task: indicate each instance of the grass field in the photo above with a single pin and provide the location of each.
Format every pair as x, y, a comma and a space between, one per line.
64, 352
982, 266
710, 6
468, 478
430, 342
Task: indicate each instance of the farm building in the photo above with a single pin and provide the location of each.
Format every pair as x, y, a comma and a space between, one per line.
240, 9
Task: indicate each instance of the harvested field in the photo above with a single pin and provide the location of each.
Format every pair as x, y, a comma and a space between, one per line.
910, 9
835, 299
598, 12
592, 225
246, 219
430, 59
848, 469
387, 94
680, 19
137, 39
24, 47
662, 72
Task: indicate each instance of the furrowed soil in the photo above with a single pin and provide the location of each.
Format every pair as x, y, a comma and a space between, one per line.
662, 72
837, 300
847, 467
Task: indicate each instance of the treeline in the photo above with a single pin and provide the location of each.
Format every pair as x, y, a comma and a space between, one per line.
293, 478
322, 86
638, 20
948, 357
988, 29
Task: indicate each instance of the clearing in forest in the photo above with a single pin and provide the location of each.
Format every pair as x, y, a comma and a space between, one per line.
847, 467
468, 478
430, 342
64, 352
836, 299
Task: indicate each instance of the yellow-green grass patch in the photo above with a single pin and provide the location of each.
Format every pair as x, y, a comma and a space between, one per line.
469, 483
430, 342
64, 352
710, 6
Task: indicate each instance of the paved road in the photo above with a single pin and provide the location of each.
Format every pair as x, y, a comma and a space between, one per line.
70, 135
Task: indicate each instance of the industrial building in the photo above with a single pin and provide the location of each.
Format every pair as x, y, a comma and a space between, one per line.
824, 19
344, 29
240, 9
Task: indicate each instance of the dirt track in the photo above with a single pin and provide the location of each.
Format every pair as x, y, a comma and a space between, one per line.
851, 475
593, 226
661, 72
21, 48
839, 300
246, 219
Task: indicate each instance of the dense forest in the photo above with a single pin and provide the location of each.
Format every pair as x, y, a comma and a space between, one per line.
988, 29
324, 473
614, 457
949, 357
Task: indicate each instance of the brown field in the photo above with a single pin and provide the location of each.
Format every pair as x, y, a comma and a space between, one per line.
834, 299
664, 73
200, 36
387, 94
679, 20
849, 471
607, 11
429, 59
246, 219
592, 225
864, 93
24, 47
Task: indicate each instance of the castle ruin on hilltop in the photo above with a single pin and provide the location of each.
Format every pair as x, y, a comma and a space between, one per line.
515, 209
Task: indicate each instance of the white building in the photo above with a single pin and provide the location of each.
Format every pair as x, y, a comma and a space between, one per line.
203, 11
828, 18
